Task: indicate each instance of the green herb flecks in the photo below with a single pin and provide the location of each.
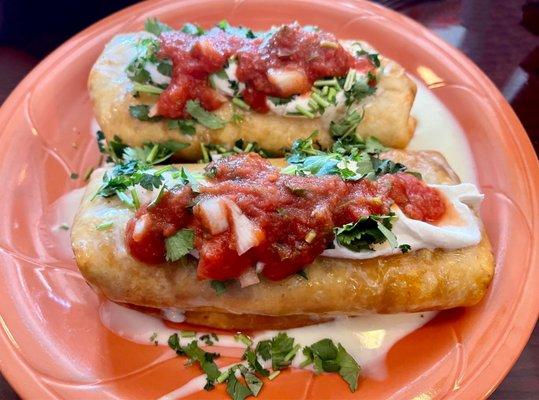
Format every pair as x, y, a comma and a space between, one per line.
351, 158
192, 29
153, 25
218, 286
204, 117
368, 231
179, 245
328, 357
185, 126
405, 248
244, 379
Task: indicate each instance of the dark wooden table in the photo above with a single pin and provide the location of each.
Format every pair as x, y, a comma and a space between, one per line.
498, 35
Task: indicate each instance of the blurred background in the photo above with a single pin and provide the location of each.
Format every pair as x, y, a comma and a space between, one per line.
500, 36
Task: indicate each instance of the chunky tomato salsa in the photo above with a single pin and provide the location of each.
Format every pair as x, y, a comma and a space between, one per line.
249, 214
284, 62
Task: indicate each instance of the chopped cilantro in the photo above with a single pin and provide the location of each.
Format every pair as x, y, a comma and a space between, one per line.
204, 117
278, 349
192, 29
281, 350
405, 248
180, 244
185, 126
351, 158
123, 176
141, 112
303, 274
104, 226
252, 359
237, 30
235, 389
243, 338
218, 286
164, 68
146, 53
347, 125
74, 175
253, 382
375, 60
153, 25
349, 369
153, 153
361, 235
188, 178
327, 357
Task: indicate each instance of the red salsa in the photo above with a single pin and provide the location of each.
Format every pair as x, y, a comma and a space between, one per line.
284, 63
292, 217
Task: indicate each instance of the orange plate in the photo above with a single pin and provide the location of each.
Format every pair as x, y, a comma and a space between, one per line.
52, 342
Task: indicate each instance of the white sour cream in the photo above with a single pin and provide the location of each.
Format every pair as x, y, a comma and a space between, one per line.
460, 229
222, 84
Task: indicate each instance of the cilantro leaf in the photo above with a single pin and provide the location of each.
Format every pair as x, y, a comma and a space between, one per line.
281, 346
146, 53
405, 248
192, 29
180, 244
347, 125
185, 126
325, 349
351, 157
361, 235
252, 359
141, 112
153, 153
327, 357
218, 286
125, 175
263, 348
204, 117
188, 178
349, 368
235, 389
150, 181
164, 68
375, 60
237, 30
153, 25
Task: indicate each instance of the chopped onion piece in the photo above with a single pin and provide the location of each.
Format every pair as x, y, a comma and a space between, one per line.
248, 278
246, 233
213, 215
289, 81
259, 267
152, 112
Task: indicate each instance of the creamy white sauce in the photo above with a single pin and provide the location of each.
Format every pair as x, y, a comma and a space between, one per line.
143, 328
438, 130
193, 386
367, 338
54, 226
461, 230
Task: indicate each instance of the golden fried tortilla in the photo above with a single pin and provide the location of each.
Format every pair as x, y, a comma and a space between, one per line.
416, 281
387, 112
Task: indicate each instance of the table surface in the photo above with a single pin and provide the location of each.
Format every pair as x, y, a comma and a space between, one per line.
500, 36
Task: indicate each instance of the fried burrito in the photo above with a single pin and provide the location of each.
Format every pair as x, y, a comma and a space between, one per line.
245, 243
265, 89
